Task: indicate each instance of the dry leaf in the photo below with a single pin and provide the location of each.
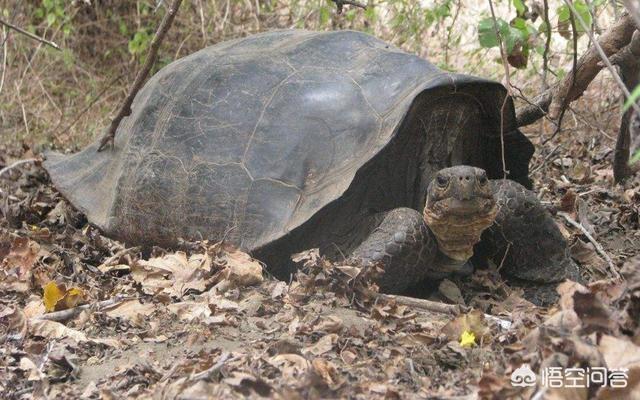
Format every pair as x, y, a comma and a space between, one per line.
241, 269
620, 353
131, 310
323, 345
57, 297
173, 274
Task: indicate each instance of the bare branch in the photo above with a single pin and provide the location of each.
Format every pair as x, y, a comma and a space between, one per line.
125, 110
71, 313
15, 164
341, 3
562, 98
589, 65
30, 35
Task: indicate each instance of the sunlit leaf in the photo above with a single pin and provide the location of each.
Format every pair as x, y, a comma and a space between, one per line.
487, 31
519, 6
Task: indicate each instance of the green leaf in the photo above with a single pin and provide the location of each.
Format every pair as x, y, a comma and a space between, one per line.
635, 158
370, 14
51, 19
325, 14
563, 13
583, 11
519, 23
487, 32
635, 95
519, 6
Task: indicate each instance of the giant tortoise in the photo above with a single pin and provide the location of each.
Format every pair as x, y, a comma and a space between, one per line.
290, 140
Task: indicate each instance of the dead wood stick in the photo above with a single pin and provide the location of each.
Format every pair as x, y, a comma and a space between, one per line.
125, 110
440, 308
71, 313
598, 246
15, 164
422, 304
588, 67
30, 35
211, 372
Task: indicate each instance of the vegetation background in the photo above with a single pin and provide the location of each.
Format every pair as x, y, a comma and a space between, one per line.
66, 98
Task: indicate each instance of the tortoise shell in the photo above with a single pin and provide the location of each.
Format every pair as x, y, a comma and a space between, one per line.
255, 139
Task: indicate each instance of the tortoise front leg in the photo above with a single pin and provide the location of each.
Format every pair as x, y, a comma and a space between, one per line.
525, 241
403, 244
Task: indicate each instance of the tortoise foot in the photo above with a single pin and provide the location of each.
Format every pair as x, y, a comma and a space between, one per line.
404, 246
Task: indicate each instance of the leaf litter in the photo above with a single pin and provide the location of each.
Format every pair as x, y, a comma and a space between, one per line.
84, 316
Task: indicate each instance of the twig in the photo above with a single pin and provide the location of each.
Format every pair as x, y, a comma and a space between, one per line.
547, 44
505, 64
31, 35
121, 253
4, 64
342, 3
70, 313
422, 304
574, 74
87, 107
215, 368
598, 246
125, 110
440, 308
15, 164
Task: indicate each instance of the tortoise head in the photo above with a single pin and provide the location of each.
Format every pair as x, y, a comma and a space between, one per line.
460, 205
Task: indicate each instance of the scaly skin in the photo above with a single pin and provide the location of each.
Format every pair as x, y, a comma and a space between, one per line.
462, 208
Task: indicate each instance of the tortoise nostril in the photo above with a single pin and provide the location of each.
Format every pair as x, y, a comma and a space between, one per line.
466, 178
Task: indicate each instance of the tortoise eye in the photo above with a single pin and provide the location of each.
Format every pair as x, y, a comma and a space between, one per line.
483, 179
442, 181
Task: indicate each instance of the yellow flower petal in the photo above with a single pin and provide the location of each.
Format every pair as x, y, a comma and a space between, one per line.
467, 339
52, 294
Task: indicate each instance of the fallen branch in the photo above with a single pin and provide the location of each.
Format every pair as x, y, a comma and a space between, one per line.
440, 308
598, 246
15, 164
30, 35
65, 315
125, 110
422, 304
589, 65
